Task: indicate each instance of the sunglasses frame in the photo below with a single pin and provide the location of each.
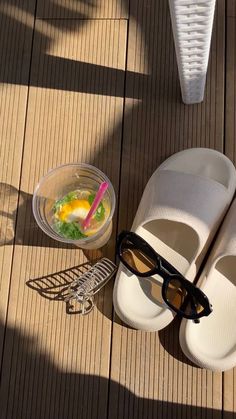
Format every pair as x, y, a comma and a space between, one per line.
168, 273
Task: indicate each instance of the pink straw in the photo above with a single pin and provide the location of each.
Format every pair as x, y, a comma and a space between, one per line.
102, 189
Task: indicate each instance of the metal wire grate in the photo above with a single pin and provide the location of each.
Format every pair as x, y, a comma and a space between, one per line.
88, 284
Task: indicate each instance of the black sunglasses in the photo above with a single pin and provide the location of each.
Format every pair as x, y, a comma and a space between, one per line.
178, 293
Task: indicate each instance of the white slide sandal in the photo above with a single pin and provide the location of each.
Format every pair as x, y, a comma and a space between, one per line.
179, 213
211, 344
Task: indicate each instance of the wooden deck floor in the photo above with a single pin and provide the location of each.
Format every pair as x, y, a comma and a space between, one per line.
96, 81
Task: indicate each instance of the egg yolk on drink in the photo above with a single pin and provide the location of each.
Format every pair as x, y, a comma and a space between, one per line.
74, 211
71, 210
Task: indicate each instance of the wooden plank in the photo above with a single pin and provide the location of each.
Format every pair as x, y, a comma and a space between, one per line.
83, 9
150, 377
56, 364
231, 8
229, 377
230, 106
16, 23
157, 123
229, 394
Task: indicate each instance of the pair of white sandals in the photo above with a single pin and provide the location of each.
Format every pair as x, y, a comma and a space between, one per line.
182, 207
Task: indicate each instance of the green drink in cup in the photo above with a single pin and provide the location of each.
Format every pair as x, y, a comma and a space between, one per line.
68, 205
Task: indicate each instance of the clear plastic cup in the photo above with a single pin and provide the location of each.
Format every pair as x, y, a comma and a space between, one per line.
58, 183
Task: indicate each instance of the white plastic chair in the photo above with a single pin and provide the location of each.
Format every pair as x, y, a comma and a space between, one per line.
192, 22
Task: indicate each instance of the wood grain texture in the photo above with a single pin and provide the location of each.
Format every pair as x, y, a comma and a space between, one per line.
157, 124
231, 8
150, 377
16, 31
230, 105
83, 9
229, 394
55, 364
229, 377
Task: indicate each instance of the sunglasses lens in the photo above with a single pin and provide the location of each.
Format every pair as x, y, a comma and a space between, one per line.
198, 307
193, 307
180, 299
175, 293
136, 258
